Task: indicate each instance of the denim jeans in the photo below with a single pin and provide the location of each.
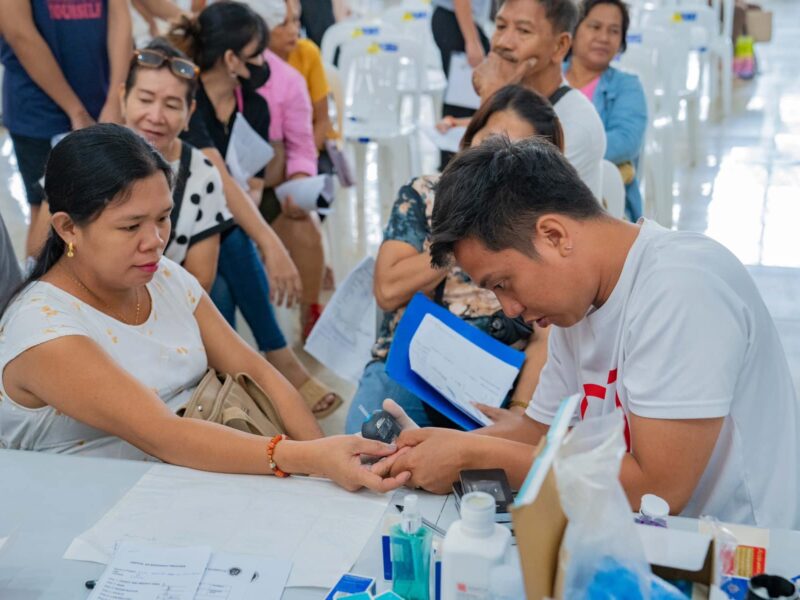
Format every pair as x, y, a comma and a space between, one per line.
241, 281
373, 388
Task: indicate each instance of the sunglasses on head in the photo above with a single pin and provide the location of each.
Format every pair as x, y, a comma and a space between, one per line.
154, 59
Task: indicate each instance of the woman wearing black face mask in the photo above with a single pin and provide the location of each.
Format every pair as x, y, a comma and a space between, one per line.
231, 126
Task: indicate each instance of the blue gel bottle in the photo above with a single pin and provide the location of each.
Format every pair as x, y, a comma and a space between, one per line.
411, 553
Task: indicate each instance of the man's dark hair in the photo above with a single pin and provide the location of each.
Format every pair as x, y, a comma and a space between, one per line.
496, 192
562, 14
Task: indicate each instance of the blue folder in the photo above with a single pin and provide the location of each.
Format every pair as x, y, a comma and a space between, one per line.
398, 366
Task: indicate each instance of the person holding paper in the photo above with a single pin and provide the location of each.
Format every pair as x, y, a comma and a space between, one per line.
403, 267
231, 119
108, 338
292, 136
665, 326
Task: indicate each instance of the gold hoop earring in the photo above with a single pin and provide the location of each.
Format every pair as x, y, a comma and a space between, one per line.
70, 250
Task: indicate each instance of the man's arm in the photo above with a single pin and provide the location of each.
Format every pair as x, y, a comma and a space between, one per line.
163, 9
39, 63
120, 47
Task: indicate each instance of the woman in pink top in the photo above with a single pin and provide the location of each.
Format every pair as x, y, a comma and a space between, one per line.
292, 135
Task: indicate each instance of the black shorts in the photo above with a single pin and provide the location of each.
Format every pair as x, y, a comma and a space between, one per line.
32, 156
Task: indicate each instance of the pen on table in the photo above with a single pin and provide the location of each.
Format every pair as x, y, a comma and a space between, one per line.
90, 584
428, 524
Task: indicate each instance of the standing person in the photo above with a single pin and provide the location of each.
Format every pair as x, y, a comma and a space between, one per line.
317, 16
60, 58
456, 26
292, 137
226, 41
618, 96
157, 101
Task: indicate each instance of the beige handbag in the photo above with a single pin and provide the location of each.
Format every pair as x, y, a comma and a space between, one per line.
237, 402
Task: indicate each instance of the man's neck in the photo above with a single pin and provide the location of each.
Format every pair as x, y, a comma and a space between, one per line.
616, 238
547, 81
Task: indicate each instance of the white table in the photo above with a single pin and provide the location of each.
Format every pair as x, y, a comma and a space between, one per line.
47, 500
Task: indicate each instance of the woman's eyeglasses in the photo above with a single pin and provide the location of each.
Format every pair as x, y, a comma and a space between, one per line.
180, 67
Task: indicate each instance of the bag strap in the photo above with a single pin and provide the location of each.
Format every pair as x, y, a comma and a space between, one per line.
236, 418
559, 94
180, 183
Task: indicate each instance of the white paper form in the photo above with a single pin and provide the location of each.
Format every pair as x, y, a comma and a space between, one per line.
314, 523
242, 577
448, 141
144, 572
458, 369
459, 83
306, 192
343, 337
247, 152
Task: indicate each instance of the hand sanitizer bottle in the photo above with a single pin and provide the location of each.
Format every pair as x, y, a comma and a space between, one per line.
472, 547
653, 511
411, 553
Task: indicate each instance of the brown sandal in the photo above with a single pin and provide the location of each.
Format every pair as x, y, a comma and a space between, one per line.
313, 391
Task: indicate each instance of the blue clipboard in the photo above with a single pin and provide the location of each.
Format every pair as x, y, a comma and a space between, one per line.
398, 365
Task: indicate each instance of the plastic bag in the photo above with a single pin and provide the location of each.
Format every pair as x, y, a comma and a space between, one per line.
606, 557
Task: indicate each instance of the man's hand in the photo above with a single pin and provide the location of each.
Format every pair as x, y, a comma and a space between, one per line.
284, 280
112, 111
394, 409
433, 456
80, 119
501, 415
475, 53
496, 72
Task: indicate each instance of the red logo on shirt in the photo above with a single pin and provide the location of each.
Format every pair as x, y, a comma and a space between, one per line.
74, 10
592, 390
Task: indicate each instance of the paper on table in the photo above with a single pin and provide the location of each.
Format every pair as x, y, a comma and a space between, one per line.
343, 337
144, 572
448, 141
459, 370
242, 577
459, 83
247, 152
314, 523
309, 193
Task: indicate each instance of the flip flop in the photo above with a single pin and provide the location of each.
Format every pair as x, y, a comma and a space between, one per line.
313, 391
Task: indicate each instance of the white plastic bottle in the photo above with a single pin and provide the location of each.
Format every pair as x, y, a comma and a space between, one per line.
472, 547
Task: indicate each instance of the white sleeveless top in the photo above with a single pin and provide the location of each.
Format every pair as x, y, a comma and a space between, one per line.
165, 354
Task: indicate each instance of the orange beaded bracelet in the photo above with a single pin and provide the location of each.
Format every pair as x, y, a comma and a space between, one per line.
273, 443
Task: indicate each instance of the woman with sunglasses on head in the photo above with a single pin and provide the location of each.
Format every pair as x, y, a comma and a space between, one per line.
126, 335
157, 101
230, 125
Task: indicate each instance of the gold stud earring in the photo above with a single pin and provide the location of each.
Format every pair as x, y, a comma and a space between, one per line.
70, 250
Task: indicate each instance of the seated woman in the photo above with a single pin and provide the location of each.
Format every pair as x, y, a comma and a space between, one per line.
617, 96
403, 267
125, 334
226, 41
157, 101
292, 136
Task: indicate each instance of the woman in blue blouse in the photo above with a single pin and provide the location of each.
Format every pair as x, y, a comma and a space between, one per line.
617, 96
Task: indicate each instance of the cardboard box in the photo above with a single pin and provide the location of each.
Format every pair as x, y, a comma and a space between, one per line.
759, 25
540, 523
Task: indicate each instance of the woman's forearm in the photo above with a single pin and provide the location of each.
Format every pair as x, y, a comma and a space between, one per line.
396, 284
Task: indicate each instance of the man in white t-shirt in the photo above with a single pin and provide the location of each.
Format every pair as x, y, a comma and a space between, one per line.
666, 326
529, 44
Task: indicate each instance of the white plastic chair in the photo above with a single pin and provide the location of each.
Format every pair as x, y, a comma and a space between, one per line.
413, 20
613, 190
371, 69
337, 94
352, 29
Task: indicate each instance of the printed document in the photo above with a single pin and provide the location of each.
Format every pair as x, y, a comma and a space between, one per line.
247, 152
458, 369
459, 84
309, 193
448, 141
242, 577
314, 523
142, 572
343, 337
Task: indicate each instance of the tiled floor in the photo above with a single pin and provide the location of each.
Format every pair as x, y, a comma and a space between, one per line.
745, 192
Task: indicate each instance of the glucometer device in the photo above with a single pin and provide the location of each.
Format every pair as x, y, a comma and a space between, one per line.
380, 426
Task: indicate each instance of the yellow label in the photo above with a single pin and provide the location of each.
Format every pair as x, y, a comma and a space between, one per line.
676, 17
374, 48
357, 32
408, 16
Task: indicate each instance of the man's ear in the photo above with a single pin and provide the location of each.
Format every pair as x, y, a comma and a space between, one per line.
553, 235
563, 44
